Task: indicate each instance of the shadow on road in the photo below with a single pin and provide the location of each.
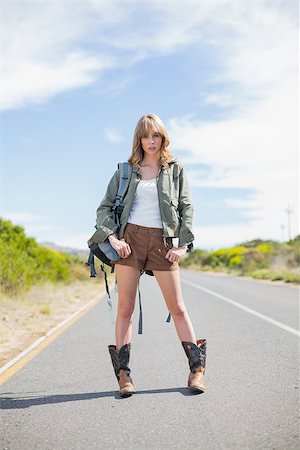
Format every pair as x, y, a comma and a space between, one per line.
26, 402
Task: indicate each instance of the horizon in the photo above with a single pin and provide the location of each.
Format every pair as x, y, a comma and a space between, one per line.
61, 248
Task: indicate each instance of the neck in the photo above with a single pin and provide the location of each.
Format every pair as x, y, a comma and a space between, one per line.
153, 161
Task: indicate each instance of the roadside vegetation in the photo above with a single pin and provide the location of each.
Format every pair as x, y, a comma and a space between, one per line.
24, 263
260, 259
39, 287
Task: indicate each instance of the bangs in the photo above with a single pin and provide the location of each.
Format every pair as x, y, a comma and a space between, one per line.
147, 126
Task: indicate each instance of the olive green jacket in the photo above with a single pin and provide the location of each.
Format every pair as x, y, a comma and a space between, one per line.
174, 202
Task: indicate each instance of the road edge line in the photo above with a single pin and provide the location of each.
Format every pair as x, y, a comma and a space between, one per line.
13, 366
245, 308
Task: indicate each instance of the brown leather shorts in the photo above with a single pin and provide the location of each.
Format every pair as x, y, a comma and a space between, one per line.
148, 249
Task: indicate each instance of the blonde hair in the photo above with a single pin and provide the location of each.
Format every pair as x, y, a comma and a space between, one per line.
147, 123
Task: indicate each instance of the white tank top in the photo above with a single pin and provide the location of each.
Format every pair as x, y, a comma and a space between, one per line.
145, 207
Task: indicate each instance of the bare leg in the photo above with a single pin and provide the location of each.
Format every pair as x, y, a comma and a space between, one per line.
127, 278
169, 283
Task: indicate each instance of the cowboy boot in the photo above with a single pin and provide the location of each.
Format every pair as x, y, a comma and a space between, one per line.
120, 361
197, 358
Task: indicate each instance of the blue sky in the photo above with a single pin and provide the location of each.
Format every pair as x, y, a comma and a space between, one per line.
222, 76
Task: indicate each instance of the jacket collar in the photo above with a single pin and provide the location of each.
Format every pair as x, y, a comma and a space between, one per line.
136, 169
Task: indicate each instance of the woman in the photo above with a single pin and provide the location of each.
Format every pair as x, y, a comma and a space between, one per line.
157, 208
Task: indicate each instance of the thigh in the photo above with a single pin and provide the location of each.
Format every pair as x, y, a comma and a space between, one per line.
169, 283
127, 280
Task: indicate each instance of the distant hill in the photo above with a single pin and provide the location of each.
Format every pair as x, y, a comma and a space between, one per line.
69, 250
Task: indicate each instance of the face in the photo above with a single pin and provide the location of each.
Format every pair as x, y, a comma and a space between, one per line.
151, 143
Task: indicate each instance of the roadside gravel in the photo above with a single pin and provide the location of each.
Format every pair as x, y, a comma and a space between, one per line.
25, 319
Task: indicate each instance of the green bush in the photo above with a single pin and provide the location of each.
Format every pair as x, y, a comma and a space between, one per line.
283, 275
226, 257
196, 257
261, 259
24, 263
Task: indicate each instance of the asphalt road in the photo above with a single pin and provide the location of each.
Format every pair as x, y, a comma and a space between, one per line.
66, 398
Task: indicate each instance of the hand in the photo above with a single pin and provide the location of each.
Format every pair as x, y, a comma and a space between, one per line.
175, 253
122, 248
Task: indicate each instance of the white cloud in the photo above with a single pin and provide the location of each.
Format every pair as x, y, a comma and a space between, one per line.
256, 145
40, 81
43, 51
113, 136
64, 45
254, 50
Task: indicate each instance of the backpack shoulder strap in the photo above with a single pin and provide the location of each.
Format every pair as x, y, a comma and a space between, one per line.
125, 175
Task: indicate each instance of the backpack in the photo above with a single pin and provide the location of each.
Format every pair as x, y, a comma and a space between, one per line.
106, 253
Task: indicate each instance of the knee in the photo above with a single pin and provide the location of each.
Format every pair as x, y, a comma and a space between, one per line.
178, 311
125, 311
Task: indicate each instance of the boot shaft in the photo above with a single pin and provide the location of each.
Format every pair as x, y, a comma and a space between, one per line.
124, 356
196, 354
114, 359
120, 359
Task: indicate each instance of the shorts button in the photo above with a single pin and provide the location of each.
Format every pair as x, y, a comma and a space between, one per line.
151, 231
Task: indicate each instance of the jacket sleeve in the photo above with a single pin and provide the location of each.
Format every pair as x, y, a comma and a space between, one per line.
186, 212
105, 224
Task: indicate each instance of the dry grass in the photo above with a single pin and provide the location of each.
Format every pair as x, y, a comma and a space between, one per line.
25, 319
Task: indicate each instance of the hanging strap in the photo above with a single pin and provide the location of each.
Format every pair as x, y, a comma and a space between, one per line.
109, 302
141, 312
91, 263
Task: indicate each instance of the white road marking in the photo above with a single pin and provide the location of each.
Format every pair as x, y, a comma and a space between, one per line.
36, 343
245, 308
